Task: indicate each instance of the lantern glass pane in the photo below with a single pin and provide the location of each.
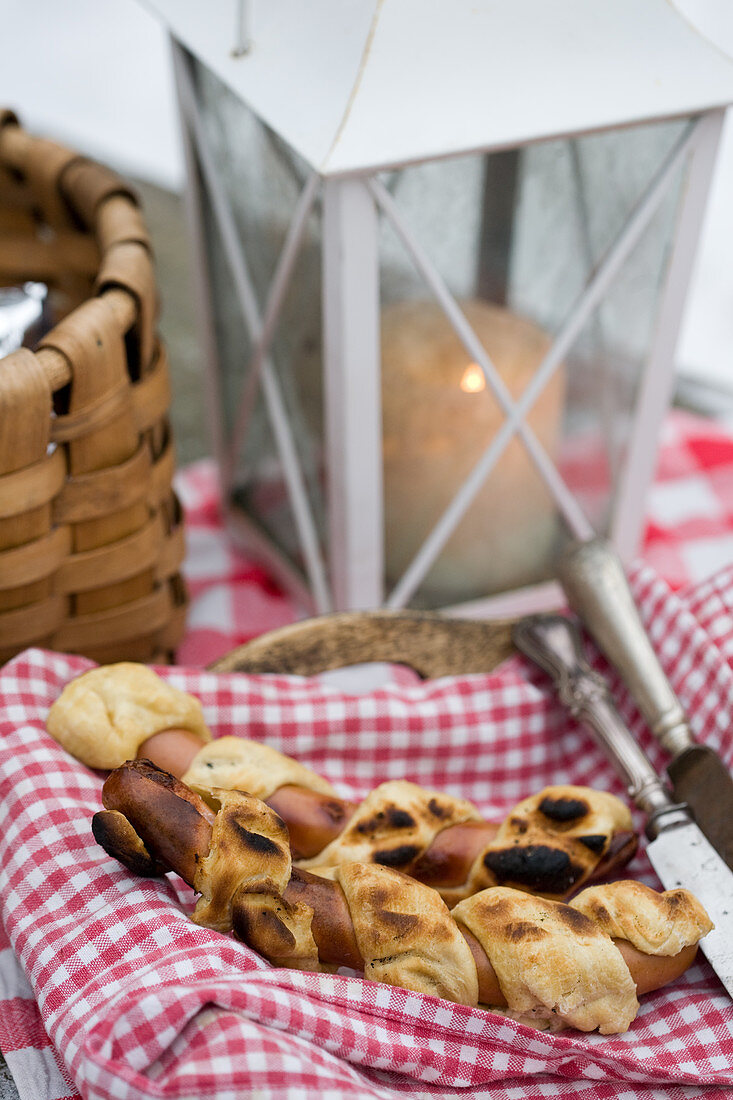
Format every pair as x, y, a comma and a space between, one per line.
516, 236
262, 179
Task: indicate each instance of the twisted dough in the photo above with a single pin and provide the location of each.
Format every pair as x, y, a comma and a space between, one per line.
532, 958
550, 844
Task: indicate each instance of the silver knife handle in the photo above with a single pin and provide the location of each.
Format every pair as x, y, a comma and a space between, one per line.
598, 592
553, 643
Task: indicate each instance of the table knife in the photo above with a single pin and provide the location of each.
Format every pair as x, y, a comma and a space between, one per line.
677, 849
598, 592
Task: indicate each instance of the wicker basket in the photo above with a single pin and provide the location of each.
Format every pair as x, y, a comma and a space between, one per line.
91, 534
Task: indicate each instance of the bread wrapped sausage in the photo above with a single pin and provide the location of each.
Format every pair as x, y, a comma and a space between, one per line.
535, 959
551, 961
551, 844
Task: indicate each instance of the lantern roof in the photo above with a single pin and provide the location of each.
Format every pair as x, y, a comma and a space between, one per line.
358, 85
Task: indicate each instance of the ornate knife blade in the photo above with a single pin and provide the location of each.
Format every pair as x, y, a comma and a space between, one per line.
677, 848
597, 591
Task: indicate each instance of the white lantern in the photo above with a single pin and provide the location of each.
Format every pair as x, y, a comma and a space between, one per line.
444, 248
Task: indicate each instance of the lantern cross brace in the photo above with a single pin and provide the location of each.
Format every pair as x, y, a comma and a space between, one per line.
513, 424
244, 289
270, 317
515, 412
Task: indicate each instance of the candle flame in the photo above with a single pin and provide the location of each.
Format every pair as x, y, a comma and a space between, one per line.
473, 380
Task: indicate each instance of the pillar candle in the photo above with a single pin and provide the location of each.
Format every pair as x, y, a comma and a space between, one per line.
438, 418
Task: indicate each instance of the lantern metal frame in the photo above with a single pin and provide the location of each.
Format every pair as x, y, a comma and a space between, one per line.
353, 577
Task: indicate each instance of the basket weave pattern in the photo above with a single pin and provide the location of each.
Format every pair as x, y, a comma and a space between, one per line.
91, 533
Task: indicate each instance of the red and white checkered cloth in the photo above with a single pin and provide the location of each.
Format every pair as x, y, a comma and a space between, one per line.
689, 535
108, 990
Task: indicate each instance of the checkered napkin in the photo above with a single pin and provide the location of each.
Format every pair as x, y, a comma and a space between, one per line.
136, 1001
688, 536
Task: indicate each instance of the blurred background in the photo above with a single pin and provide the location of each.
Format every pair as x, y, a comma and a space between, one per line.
97, 77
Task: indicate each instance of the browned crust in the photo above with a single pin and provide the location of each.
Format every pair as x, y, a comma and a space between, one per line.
154, 821
621, 849
314, 819
171, 820
113, 831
